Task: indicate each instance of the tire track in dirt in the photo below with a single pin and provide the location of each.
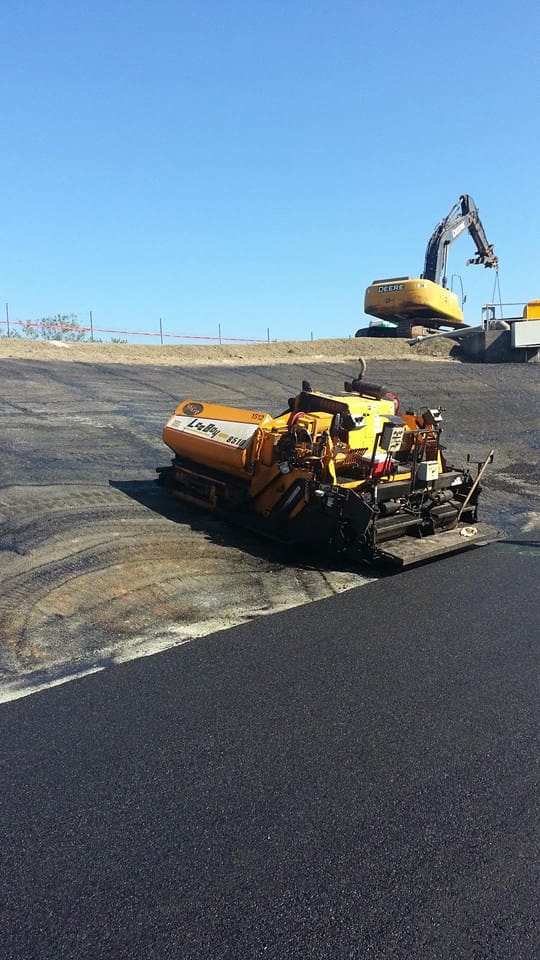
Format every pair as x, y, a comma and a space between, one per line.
88, 572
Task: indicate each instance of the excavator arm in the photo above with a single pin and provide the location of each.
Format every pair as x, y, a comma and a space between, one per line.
463, 216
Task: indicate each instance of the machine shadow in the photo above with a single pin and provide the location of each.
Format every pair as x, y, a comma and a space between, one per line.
517, 542
225, 532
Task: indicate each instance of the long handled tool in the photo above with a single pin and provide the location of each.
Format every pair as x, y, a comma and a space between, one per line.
489, 459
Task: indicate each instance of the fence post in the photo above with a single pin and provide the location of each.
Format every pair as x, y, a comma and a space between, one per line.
312, 334
219, 331
161, 331
91, 327
268, 334
7, 318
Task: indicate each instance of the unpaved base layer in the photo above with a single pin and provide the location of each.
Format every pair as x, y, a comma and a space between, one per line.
98, 564
92, 577
239, 354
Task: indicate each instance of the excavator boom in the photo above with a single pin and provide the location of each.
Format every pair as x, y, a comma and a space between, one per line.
463, 216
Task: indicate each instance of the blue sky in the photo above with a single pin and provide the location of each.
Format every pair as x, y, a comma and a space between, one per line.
257, 164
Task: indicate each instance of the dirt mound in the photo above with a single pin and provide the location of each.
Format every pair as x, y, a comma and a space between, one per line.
294, 351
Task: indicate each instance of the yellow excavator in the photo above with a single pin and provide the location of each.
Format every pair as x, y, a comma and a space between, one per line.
400, 303
348, 473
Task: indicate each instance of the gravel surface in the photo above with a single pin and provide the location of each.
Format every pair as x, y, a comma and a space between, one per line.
98, 565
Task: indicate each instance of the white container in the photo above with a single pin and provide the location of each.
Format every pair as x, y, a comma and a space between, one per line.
428, 470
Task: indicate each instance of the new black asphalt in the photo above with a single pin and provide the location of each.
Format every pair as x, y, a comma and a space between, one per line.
355, 778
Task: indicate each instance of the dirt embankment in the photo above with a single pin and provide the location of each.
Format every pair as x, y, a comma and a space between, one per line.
294, 351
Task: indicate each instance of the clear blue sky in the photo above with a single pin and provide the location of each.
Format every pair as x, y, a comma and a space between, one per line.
257, 164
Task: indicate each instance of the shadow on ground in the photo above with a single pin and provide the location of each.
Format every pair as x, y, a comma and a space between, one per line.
224, 531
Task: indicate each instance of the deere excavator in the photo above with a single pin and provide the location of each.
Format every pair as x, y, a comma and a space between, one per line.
349, 473
401, 303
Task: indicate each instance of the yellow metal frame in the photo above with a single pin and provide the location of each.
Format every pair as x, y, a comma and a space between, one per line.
532, 310
258, 461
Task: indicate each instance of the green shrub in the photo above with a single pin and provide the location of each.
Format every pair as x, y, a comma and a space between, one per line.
59, 327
